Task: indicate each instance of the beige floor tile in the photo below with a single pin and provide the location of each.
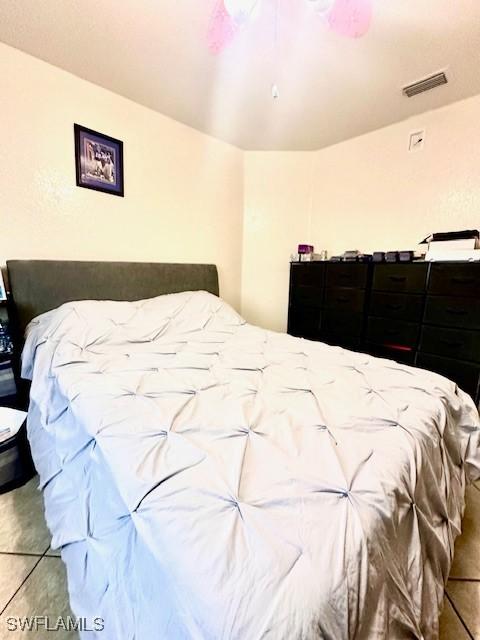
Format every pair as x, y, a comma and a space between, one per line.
43, 594
22, 525
451, 627
466, 562
55, 553
466, 598
13, 571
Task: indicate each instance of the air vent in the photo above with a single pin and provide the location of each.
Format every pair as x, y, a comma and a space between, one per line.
425, 85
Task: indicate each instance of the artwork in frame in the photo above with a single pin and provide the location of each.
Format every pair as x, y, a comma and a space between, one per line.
98, 161
3, 293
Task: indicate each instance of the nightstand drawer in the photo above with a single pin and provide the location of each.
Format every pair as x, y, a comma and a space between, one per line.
388, 333
452, 279
397, 305
346, 274
340, 323
408, 278
453, 312
465, 374
453, 343
345, 299
304, 322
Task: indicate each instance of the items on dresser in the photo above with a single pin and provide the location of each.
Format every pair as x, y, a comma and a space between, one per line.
306, 253
455, 255
419, 313
406, 256
391, 256
453, 246
352, 255
466, 239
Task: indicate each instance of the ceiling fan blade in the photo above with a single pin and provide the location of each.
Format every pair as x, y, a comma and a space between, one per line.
222, 28
351, 18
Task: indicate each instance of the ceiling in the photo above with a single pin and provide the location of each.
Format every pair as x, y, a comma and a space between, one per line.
331, 88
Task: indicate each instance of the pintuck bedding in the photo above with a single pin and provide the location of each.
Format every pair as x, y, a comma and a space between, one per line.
207, 479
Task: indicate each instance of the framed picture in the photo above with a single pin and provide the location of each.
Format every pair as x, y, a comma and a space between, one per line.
3, 293
98, 161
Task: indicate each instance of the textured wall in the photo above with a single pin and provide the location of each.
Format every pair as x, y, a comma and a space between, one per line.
367, 193
183, 190
187, 195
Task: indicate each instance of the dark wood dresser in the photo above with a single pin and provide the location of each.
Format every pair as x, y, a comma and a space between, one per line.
423, 314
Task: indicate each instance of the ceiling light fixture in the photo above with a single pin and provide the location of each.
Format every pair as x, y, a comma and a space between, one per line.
349, 18
240, 10
322, 7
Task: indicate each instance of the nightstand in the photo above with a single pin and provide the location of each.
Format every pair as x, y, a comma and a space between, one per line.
16, 466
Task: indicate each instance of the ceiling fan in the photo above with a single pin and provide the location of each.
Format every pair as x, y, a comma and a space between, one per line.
349, 18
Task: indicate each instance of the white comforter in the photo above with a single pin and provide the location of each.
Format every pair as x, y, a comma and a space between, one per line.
206, 479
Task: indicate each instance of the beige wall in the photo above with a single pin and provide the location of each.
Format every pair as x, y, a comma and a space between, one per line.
368, 193
188, 196
183, 190
276, 199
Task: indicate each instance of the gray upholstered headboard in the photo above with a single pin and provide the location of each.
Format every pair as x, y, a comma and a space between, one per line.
41, 285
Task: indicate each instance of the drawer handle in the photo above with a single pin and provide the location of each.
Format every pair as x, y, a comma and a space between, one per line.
458, 280
398, 278
456, 312
392, 332
394, 307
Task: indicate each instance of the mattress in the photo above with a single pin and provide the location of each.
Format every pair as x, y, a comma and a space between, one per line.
207, 479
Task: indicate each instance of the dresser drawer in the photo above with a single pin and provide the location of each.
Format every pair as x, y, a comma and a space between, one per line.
452, 279
304, 322
307, 295
345, 299
400, 306
340, 323
386, 332
455, 343
307, 283
408, 278
453, 312
405, 355
346, 342
307, 273
465, 374
345, 274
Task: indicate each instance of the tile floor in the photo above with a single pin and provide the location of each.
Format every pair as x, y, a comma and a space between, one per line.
32, 576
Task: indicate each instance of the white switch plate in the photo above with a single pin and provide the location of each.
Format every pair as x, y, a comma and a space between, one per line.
417, 141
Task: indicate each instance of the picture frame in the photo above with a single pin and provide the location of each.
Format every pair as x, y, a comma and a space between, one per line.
3, 291
98, 161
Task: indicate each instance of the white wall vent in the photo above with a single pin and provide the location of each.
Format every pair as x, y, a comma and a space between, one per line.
425, 85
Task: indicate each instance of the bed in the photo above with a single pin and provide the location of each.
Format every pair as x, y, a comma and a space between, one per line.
207, 479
